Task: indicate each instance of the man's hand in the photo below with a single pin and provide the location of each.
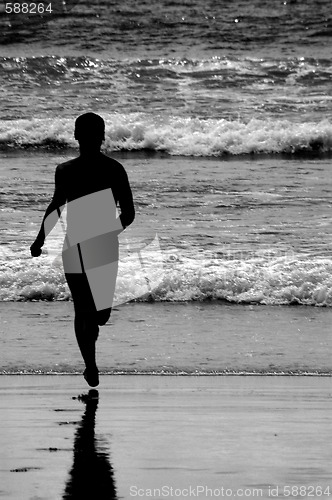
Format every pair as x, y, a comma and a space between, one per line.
35, 249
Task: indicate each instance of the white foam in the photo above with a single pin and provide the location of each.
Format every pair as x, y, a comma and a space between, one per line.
264, 280
177, 135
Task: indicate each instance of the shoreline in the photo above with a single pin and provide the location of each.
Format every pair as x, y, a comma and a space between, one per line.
181, 339
180, 374
152, 154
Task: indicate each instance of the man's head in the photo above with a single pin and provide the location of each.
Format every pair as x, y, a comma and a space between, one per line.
90, 130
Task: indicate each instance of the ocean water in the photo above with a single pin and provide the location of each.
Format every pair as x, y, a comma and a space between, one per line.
246, 231
221, 113
197, 77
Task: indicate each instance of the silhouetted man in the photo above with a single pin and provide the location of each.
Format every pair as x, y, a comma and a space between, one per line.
92, 185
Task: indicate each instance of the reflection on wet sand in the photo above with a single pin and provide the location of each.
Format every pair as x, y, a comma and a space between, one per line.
91, 476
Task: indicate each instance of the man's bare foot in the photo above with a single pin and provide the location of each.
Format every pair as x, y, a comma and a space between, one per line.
91, 375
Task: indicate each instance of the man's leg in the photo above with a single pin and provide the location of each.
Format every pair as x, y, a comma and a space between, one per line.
103, 316
86, 324
86, 331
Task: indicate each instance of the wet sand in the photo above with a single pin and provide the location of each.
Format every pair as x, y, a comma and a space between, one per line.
170, 337
175, 434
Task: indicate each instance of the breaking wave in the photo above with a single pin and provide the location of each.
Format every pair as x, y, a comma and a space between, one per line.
261, 280
176, 135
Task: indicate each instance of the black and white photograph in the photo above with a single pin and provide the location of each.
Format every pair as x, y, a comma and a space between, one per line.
166, 249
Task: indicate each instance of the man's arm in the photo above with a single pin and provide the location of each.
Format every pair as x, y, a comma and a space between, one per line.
126, 203
49, 221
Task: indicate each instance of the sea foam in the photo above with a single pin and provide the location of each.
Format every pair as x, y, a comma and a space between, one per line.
183, 136
261, 280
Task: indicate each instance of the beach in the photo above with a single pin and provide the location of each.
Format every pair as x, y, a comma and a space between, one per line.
256, 423
207, 436
215, 366
159, 338
195, 400
219, 378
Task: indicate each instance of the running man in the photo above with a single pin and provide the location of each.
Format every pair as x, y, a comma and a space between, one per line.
92, 185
